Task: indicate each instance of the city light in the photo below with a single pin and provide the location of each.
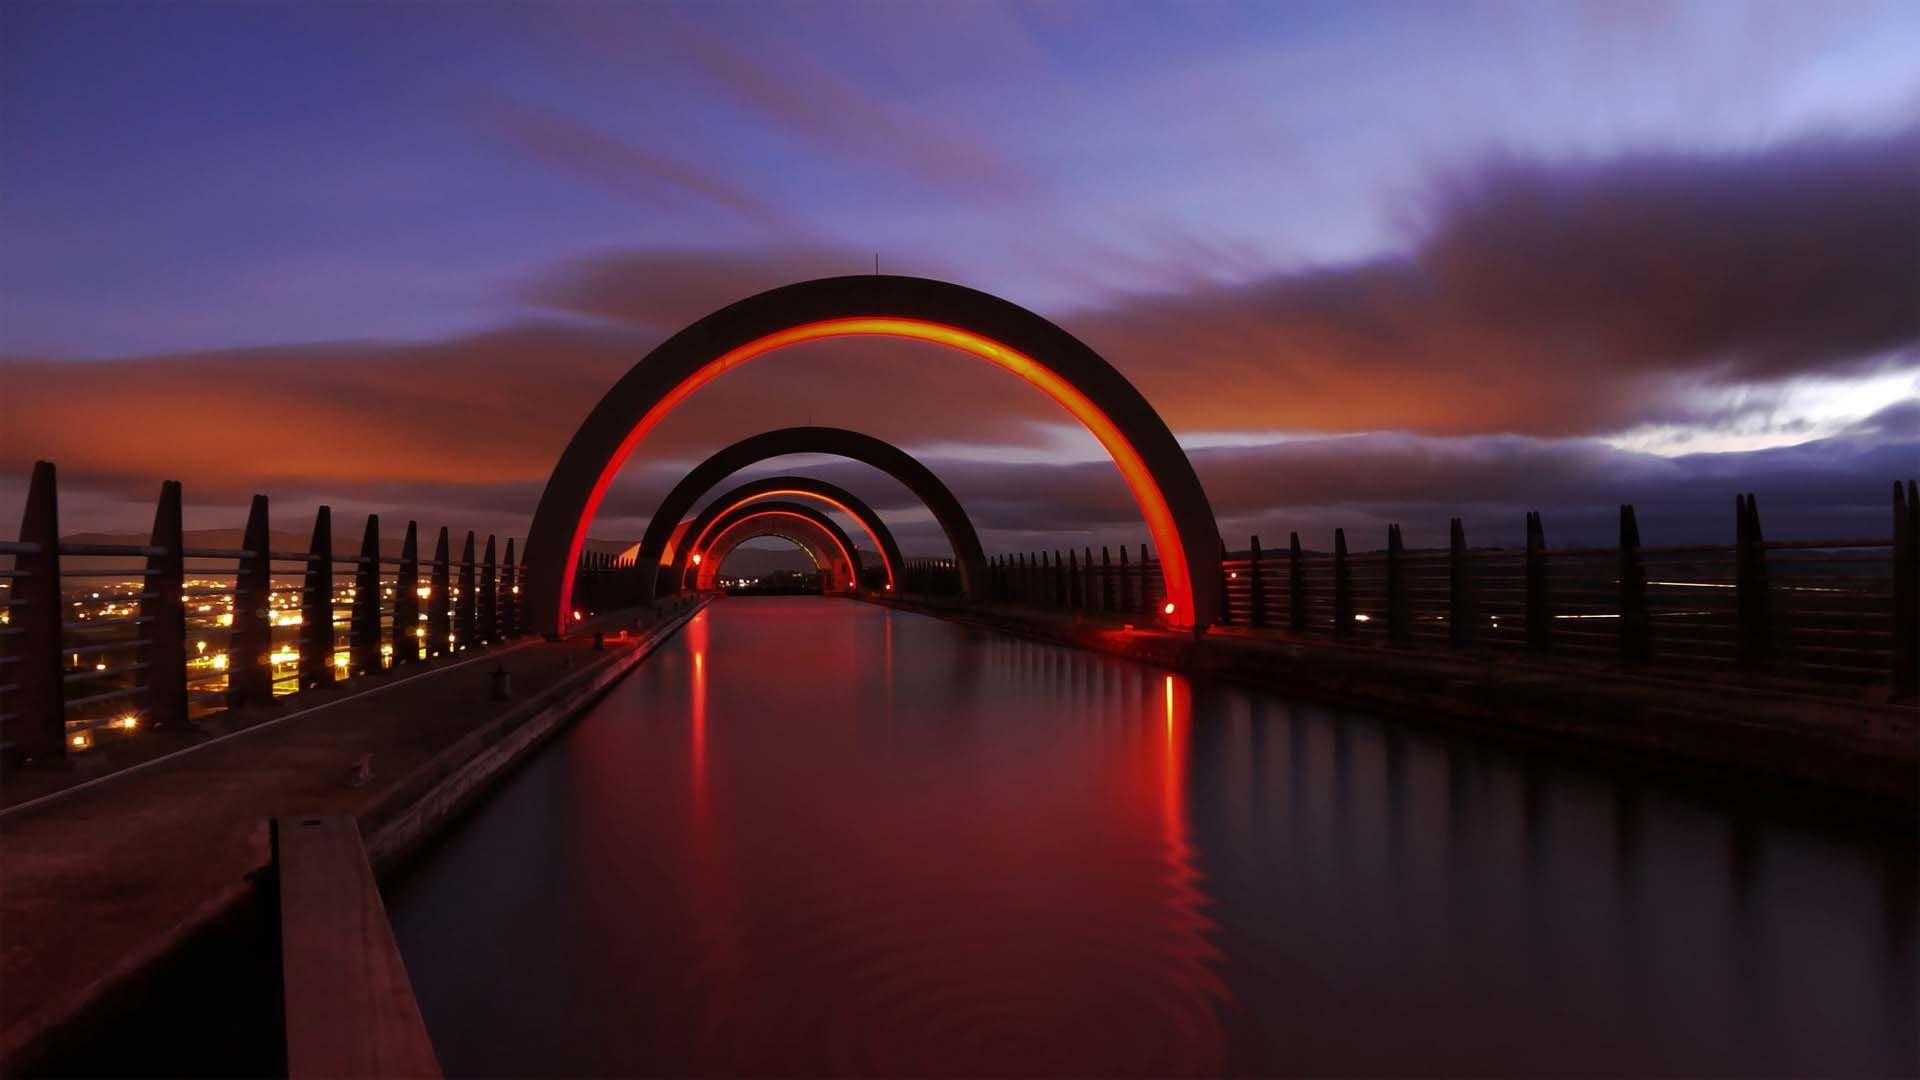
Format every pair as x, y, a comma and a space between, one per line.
1169, 608
129, 722
696, 558
81, 741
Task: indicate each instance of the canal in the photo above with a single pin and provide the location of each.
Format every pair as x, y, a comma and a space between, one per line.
812, 836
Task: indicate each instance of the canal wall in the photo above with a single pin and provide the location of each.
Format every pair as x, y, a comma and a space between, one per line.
1859, 750
140, 935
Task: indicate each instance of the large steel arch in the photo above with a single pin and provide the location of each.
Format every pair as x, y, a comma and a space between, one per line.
790, 487
1178, 515
660, 542
743, 523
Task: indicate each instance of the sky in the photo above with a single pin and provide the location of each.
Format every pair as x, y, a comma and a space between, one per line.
1371, 262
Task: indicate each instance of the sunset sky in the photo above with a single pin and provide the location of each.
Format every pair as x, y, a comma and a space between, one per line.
1371, 262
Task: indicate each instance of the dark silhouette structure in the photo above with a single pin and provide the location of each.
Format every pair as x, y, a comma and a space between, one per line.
703, 528
659, 542
1175, 506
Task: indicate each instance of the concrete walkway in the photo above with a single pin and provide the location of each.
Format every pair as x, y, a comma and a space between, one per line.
101, 883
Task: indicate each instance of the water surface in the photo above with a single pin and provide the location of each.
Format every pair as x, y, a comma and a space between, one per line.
811, 836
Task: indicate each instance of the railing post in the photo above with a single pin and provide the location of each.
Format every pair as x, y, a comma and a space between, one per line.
1460, 614
439, 613
1906, 589
465, 612
1296, 584
164, 676
1087, 579
1342, 587
1126, 590
36, 723
510, 594
1059, 579
1399, 605
1256, 588
1752, 604
1539, 606
1146, 582
316, 606
487, 626
1106, 579
363, 631
406, 600
1636, 645
250, 645
1073, 580
1226, 596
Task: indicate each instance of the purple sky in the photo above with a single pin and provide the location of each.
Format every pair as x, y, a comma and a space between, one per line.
1669, 248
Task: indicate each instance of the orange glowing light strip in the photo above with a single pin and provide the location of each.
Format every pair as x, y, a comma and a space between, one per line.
1153, 504
714, 569
829, 500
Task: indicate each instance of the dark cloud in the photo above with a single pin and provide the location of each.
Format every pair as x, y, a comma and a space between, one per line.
1561, 299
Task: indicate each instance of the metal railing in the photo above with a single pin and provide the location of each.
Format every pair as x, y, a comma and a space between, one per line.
99, 639
1834, 616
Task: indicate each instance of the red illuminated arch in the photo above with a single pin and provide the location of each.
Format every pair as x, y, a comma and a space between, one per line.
787, 487
1175, 506
812, 530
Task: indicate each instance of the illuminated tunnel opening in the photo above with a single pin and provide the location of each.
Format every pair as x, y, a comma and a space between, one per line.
695, 535
804, 527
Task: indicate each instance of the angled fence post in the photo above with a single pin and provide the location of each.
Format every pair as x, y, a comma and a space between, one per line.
316, 606
487, 625
439, 611
1636, 645
1342, 586
1059, 579
466, 611
1074, 596
509, 595
1126, 590
1296, 584
406, 600
164, 674
1460, 612
363, 642
1226, 595
250, 645
1539, 606
36, 713
1146, 581
1753, 604
1906, 590
1256, 588
1399, 604
1088, 597
1106, 579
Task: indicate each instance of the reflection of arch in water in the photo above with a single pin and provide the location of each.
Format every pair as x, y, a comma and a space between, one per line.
1156, 470
692, 540
832, 551
665, 532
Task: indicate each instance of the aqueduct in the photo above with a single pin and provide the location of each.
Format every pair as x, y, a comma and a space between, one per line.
660, 544
1178, 516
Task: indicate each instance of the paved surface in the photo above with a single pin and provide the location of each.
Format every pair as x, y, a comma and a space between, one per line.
95, 881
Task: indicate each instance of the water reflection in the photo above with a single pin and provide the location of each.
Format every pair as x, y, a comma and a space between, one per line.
891, 845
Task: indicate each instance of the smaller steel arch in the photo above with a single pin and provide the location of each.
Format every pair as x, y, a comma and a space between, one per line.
661, 536
743, 523
801, 487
